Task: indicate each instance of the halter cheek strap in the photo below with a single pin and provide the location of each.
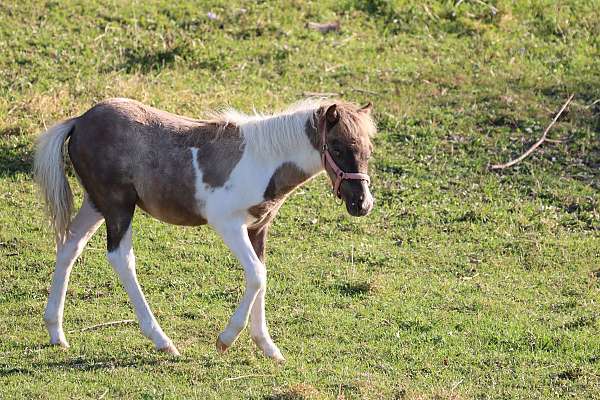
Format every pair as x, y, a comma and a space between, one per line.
327, 160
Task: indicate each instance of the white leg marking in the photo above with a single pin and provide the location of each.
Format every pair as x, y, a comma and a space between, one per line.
123, 261
81, 229
235, 236
258, 329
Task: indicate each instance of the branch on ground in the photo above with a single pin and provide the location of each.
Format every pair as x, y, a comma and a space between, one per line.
111, 323
536, 144
320, 94
326, 27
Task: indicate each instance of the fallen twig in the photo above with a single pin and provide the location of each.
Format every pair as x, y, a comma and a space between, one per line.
342, 42
433, 17
453, 388
326, 27
111, 323
236, 378
492, 8
25, 351
320, 94
468, 278
593, 103
333, 67
536, 144
365, 91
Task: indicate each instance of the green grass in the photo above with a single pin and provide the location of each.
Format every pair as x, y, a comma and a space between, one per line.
463, 283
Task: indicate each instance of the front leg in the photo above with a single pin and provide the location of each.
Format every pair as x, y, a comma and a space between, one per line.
258, 322
235, 235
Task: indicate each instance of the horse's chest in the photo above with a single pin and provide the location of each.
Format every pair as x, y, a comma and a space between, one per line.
285, 178
262, 213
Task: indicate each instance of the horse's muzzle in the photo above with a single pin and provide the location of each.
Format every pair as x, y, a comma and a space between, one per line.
360, 202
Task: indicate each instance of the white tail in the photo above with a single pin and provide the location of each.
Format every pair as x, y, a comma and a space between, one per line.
49, 174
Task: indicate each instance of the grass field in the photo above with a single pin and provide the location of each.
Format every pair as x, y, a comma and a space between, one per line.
464, 283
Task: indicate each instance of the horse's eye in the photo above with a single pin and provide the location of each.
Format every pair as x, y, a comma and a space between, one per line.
337, 153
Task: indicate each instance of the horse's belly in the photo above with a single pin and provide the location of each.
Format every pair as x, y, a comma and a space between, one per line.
172, 213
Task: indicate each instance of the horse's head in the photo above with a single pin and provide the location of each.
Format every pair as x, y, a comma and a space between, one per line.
345, 132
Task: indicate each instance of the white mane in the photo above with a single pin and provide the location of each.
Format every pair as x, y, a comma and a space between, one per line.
274, 134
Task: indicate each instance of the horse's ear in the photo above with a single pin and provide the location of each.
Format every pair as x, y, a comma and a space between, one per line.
332, 115
367, 108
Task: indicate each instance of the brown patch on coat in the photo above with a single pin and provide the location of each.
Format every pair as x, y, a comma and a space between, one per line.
167, 189
287, 177
217, 159
258, 238
311, 130
125, 151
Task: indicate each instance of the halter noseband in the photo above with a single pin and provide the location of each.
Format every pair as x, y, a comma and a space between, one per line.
326, 159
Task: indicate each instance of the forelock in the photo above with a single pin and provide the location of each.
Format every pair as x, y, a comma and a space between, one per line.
356, 123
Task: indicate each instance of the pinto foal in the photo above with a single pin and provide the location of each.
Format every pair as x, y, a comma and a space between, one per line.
232, 172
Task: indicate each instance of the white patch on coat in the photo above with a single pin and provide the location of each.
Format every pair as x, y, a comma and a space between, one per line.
270, 141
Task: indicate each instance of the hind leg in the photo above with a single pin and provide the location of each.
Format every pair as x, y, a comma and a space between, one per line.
120, 254
81, 229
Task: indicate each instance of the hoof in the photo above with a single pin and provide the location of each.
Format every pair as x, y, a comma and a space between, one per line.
170, 349
269, 349
278, 358
221, 347
63, 344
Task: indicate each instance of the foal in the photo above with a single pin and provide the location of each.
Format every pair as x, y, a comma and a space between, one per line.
232, 172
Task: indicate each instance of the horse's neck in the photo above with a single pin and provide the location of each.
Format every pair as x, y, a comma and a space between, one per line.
285, 138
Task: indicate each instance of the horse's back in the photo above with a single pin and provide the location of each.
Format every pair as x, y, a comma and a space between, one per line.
124, 150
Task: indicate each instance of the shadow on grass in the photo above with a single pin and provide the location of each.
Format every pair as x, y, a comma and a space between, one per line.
144, 61
104, 363
14, 158
9, 371
147, 60
79, 364
353, 289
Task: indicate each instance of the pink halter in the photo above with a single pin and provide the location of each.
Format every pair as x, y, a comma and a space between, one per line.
326, 159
